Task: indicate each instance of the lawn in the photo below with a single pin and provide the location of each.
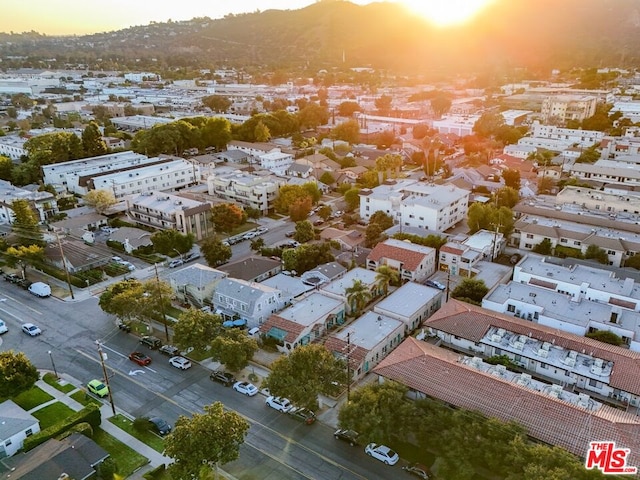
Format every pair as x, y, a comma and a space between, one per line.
52, 414
127, 459
147, 436
81, 396
32, 398
198, 355
50, 379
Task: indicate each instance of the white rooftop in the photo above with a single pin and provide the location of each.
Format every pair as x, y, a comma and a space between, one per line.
408, 299
369, 330
338, 287
308, 310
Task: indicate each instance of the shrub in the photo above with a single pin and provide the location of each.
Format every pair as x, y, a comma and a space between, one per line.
108, 468
89, 414
155, 473
605, 336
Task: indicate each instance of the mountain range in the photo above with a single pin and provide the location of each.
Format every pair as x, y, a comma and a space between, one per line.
534, 34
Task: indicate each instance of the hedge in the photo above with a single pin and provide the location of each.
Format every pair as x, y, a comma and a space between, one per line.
89, 414
155, 473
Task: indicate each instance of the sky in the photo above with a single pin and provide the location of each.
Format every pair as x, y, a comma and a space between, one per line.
68, 17
78, 17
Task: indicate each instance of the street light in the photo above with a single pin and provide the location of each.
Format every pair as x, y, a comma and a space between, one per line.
176, 250
53, 365
103, 356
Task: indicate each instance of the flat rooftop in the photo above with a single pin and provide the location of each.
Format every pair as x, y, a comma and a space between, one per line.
407, 300
338, 287
369, 330
307, 311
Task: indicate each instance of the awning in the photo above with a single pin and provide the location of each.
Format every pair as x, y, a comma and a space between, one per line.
227, 324
239, 323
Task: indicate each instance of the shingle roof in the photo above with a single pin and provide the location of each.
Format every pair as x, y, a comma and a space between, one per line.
436, 372
472, 323
14, 419
250, 268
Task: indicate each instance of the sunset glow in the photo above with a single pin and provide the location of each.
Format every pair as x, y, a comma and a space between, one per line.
447, 12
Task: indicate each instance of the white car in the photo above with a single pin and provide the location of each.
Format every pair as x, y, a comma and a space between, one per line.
261, 230
31, 329
382, 453
245, 388
281, 404
176, 262
3, 327
180, 362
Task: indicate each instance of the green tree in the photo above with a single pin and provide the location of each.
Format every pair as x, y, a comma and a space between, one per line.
381, 218
133, 300
507, 197
545, 185
214, 251
488, 217
470, 290
373, 234
352, 199
196, 329
25, 223
313, 190
441, 104
234, 348
262, 132
253, 213
327, 178
92, 142
389, 163
385, 276
257, 244
511, 178
217, 103
307, 256
597, 253
325, 212
6, 167
288, 195
53, 148
358, 295
101, 200
383, 104
25, 254
379, 412
488, 124
606, 336
212, 438
167, 242
312, 116
543, 248
590, 155
305, 373
304, 231
300, 208
348, 131
347, 109
17, 374
227, 216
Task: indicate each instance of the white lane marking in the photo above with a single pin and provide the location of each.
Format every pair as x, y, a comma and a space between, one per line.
24, 305
124, 356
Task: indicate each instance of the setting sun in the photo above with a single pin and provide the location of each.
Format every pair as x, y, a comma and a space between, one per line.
446, 12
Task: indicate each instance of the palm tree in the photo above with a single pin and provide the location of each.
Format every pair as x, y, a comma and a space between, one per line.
358, 295
386, 275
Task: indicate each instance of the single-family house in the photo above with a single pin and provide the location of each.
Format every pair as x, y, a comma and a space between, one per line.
252, 269
195, 283
338, 288
412, 262
15, 425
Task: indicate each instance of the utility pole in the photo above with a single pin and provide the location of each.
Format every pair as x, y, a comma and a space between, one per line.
348, 367
64, 264
106, 377
164, 317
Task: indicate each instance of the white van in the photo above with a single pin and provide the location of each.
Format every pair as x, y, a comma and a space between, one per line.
40, 289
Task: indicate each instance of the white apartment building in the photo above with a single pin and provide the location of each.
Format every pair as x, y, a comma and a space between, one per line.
626, 148
607, 171
171, 212
417, 204
164, 175
67, 175
568, 107
12, 146
256, 191
557, 310
553, 144
599, 200
253, 149
519, 151
584, 138
630, 110
43, 202
276, 162
460, 125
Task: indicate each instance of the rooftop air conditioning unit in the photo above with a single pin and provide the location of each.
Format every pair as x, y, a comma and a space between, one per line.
501, 332
598, 362
573, 354
554, 394
501, 368
518, 346
543, 353
571, 362
596, 370
496, 338
546, 346
523, 338
556, 388
476, 362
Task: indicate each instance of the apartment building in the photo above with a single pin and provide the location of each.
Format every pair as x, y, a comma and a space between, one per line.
607, 172
44, 203
599, 200
416, 204
171, 212
12, 146
276, 162
568, 107
412, 262
460, 125
411, 303
583, 138
256, 191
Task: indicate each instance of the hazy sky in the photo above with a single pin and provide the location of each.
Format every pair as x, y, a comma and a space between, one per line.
61, 17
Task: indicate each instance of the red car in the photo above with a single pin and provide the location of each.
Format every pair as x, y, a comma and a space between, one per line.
140, 358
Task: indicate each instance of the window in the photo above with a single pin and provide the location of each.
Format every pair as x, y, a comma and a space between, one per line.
563, 240
529, 235
511, 308
593, 383
29, 432
544, 366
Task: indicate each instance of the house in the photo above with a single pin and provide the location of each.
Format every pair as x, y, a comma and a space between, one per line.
305, 321
412, 303
288, 284
164, 211
603, 371
412, 262
195, 283
252, 269
366, 342
300, 170
79, 224
276, 162
74, 457
348, 239
337, 288
76, 254
549, 414
322, 274
43, 203
253, 302
131, 238
15, 425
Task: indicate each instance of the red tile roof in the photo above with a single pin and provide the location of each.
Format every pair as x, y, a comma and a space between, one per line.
293, 329
436, 372
451, 249
472, 323
410, 259
357, 354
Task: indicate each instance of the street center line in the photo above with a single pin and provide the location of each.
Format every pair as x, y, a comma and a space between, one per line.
23, 304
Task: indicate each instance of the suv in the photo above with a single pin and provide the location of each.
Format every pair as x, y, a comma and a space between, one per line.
348, 436
224, 378
169, 350
303, 414
435, 284
281, 404
151, 342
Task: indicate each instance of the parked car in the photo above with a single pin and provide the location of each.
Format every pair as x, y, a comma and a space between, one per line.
254, 332
245, 388
382, 453
348, 436
160, 426
191, 257
40, 289
152, 342
290, 234
176, 262
3, 327
417, 470
180, 362
434, 284
169, 350
303, 414
31, 329
318, 222
98, 388
281, 404
225, 378
262, 230
124, 326
140, 358
12, 277
24, 283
